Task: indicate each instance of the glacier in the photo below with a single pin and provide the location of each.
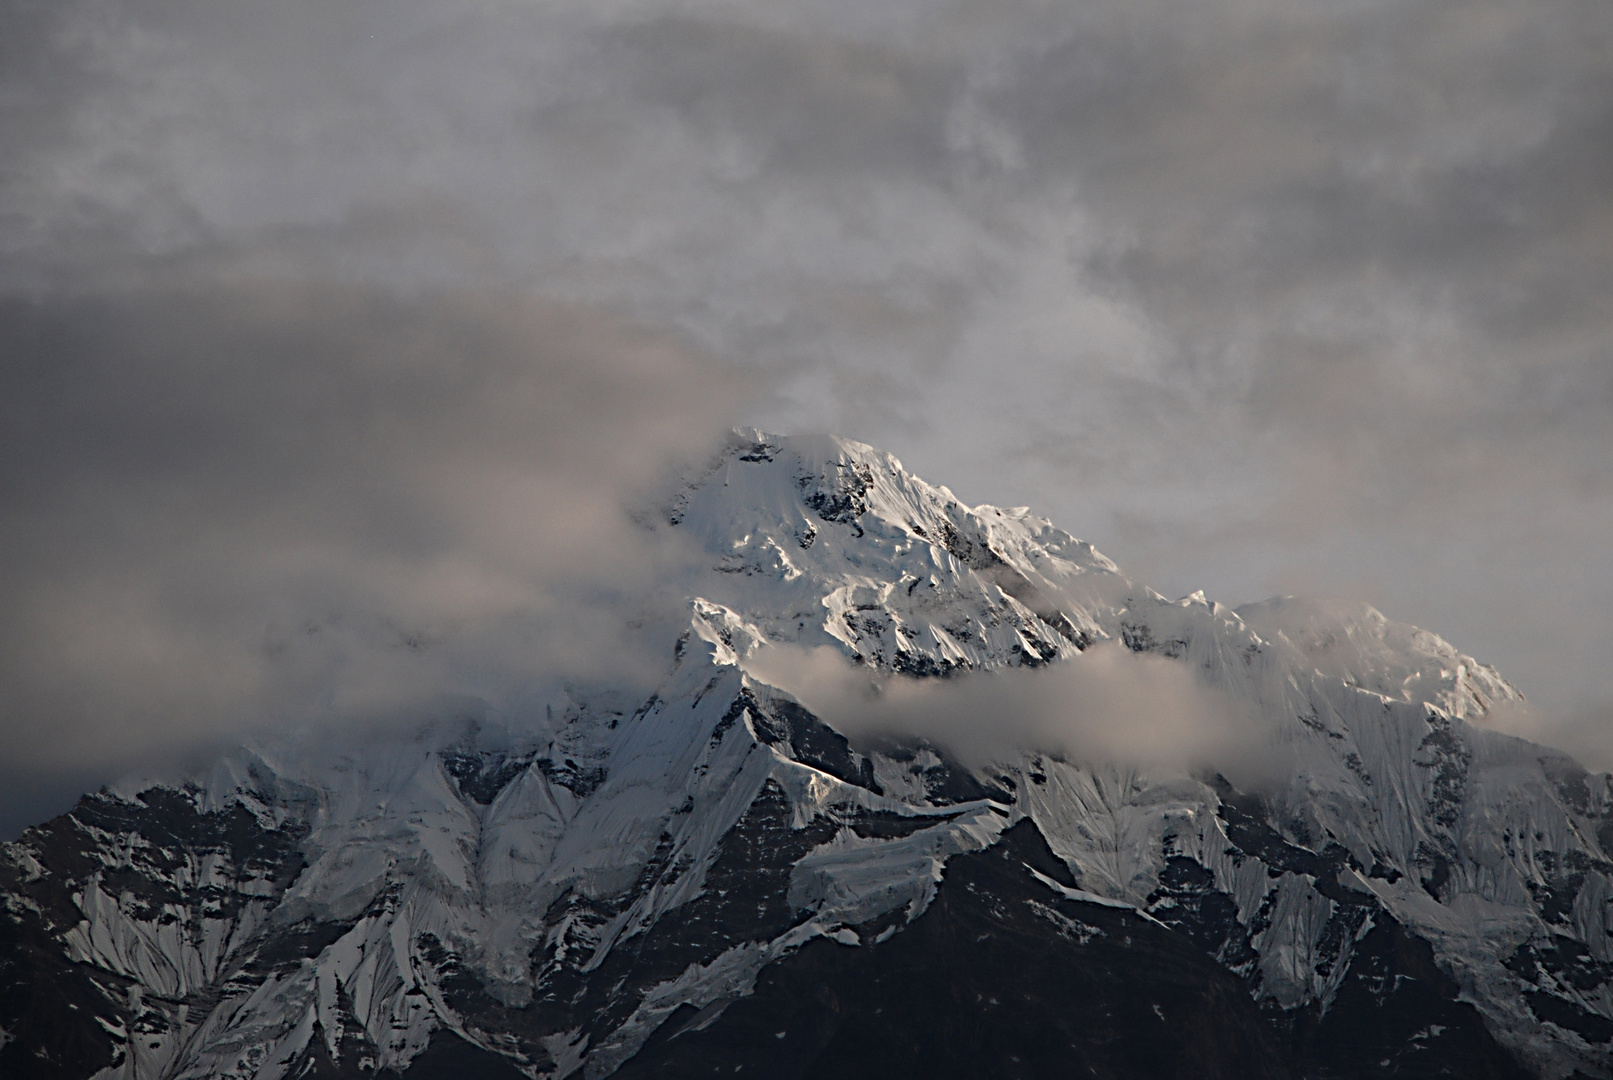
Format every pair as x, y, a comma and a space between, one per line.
574, 892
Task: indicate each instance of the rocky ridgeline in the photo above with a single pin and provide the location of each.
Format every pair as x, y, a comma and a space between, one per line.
718, 879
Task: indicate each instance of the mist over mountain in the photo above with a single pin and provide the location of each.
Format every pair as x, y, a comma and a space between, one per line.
922, 788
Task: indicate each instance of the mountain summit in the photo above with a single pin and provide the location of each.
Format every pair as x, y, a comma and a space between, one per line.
719, 880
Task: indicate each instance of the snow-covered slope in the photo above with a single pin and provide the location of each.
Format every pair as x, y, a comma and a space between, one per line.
602, 887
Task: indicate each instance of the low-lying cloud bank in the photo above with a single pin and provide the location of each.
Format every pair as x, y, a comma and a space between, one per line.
1109, 705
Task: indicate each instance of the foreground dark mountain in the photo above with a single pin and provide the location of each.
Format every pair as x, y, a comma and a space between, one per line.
716, 881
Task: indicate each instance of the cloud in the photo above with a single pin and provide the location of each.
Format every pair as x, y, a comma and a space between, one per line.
1587, 736
265, 503
1108, 706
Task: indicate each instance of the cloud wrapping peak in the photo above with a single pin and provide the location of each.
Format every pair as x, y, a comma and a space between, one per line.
265, 502
1109, 706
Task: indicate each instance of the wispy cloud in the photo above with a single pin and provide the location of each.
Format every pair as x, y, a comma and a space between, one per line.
1109, 706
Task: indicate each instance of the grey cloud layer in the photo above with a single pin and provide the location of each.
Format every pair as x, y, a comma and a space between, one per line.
1259, 297
269, 504
1108, 707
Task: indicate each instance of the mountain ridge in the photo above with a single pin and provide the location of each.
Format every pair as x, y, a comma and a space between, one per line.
594, 892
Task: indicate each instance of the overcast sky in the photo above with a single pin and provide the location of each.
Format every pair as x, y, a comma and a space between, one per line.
313, 312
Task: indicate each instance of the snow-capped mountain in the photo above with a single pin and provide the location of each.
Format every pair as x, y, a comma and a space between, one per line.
716, 880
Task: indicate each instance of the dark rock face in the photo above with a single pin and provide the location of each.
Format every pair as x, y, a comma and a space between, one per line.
50, 1006
1394, 1012
1558, 969
803, 737
449, 1057
1396, 1015
1004, 977
946, 782
482, 776
840, 494
68, 1018
1001, 977
1188, 902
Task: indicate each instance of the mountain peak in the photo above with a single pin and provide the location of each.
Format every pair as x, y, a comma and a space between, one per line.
825, 541
631, 885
